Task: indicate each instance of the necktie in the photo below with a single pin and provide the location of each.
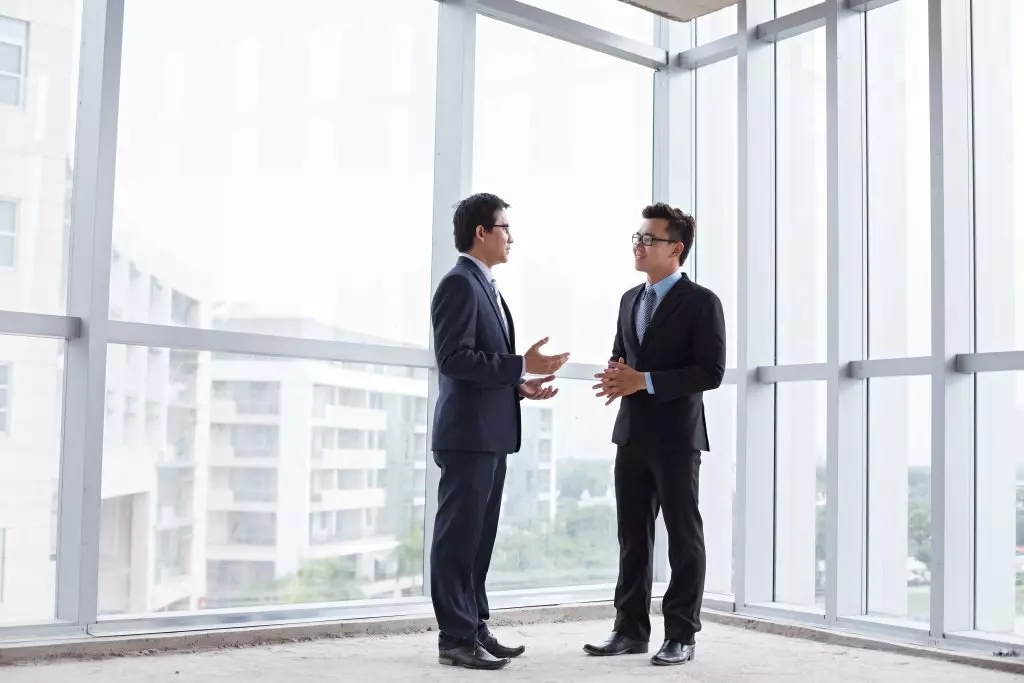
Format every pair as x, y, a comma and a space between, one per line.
646, 312
497, 300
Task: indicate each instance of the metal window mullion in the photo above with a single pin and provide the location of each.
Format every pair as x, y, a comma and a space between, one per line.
453, 159
846, 396
755, 415
952, 418
672, 178
81, 462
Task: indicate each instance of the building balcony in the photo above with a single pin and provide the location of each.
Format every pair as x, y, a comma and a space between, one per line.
241, 552
323, 547
344, 417
355, 499
349, 459
173, 517
230, 456
226, 411
227, 500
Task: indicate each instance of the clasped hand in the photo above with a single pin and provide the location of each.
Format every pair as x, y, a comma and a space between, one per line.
618, 380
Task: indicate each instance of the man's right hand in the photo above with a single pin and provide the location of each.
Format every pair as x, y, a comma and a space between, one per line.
539, 364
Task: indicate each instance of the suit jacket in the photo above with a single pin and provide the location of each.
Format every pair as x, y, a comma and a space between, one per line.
684, 350
479, 371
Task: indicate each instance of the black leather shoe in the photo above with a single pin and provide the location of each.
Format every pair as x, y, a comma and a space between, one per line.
491, 644
472, 656
617, 644
673, 652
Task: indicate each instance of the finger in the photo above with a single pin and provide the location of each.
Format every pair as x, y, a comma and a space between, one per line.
610, 400
539, 344
544, 380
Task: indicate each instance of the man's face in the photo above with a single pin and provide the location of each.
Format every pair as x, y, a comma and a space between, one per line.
496, 242
662, 254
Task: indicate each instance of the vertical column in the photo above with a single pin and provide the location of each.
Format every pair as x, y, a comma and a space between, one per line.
453, 158
846, 397
952, 323
672, 180
88, 299
755, 418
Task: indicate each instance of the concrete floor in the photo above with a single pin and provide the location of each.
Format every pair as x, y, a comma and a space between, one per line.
553, 655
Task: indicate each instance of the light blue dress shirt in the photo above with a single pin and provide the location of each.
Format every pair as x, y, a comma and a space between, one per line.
660, 290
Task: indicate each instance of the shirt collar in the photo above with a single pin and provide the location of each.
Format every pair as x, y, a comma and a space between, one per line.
480, 264
661, 288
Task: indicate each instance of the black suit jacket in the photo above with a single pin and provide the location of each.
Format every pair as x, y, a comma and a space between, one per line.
479, 371
684, 350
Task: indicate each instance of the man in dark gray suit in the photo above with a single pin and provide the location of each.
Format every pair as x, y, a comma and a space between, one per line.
476, 425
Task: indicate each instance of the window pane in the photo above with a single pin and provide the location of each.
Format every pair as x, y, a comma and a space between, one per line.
716, 25
899, 497
563, 134
998, 83
288, 513
801, 268
783, 7
36, 151
1000, 503
10, 58
800, 490
558, 523
899, 195
715, 254
291, 175
30, 433
610, 15
718, 489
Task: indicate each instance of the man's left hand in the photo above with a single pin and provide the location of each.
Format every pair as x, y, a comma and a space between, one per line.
618, 380
535, 390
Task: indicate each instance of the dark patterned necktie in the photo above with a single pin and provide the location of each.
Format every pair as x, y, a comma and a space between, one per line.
646, 312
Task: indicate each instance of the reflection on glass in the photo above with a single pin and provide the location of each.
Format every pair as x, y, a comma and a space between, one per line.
718, 489
899, 531
564, 135
234, 481
784, 7
716, 25
715, 254
558, 523
38, 97
998, 95
899, 195
31, 398
264, 165
611, 15
1000, 503
801, 267
800, 494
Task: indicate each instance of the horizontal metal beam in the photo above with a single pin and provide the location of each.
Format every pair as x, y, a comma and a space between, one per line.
810, 372
890, 367
166, 336
709, 53
792, 24
867, 5
571, 31
997, 361
40, 325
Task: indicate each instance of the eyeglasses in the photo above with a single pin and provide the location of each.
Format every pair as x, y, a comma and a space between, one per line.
503, 226
648, 240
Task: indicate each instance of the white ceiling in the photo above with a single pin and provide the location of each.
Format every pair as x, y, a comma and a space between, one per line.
681, 10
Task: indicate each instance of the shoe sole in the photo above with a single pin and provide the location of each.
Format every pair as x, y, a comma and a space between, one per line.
448, 661
661, 662
638, 650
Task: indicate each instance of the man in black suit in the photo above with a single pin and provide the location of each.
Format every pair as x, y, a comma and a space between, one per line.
476, 425
669, 348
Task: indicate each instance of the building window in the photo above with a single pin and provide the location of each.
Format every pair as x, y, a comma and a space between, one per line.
13, 43
5, 392
8, 214
3, 563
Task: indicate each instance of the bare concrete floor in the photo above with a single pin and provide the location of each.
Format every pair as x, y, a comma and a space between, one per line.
553, 655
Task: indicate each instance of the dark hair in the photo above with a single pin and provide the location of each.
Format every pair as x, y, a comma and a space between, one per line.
478, 209
681, 226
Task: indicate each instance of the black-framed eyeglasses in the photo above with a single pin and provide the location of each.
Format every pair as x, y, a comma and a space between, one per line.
648, 240
503, 226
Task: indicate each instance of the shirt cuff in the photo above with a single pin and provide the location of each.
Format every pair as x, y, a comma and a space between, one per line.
650, 383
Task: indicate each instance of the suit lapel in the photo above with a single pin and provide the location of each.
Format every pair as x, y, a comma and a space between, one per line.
489, 295
632, 339
673, 298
